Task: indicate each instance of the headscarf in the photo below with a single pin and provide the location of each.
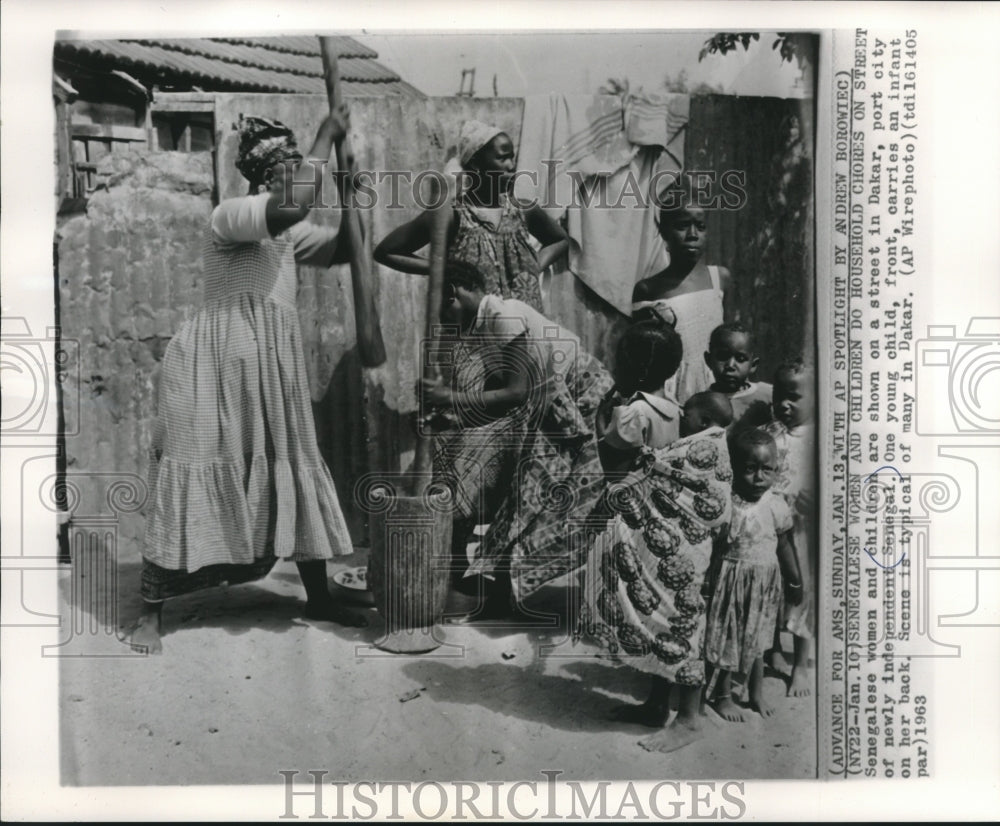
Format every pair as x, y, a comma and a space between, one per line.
475, 135
263, 143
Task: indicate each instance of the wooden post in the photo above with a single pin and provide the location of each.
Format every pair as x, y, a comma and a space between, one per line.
423, 460
371, 348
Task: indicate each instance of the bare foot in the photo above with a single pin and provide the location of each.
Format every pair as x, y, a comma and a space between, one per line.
757, 704
775, 659
801, 684
644, 714
145, 636
680, 732
728, 710
333, 612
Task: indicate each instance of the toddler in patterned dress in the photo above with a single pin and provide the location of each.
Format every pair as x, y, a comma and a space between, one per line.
795, 437
757, 553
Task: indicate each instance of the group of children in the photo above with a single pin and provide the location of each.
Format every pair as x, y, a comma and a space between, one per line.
709, 553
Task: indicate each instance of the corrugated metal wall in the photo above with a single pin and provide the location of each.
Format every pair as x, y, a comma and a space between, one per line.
129, 272
768, 244
129, 276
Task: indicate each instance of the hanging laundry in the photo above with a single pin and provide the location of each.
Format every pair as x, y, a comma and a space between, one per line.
588, 170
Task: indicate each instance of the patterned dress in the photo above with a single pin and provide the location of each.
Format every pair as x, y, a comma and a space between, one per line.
694, 316
502, 251
236, 477
744, 605
543, 470
479, 457
643, 595
796, 481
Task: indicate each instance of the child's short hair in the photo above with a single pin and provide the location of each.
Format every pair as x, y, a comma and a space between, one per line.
746, 440
460, 273
678, 196
714, 407
794, 366
672, 200
730, 327
648, 354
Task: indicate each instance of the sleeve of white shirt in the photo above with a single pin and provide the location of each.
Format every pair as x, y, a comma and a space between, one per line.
629, 427
244, 220
241, 220
314, 244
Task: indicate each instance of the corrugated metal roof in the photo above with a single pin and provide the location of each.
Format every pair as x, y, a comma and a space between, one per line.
267, 64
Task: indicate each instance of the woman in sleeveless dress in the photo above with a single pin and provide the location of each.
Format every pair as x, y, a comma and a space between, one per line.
690, 295
487, 227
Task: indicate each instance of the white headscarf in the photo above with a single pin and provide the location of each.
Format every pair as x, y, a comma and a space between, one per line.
475, 135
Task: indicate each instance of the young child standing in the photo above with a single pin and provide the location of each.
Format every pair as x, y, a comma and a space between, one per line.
643, 598
733, 362
795, 437
690, 295
757, 552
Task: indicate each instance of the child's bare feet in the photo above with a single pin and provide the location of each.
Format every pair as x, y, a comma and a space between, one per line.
682, 730
757, 704
801, 683
649, 714
776, 659
145, 635
802, 673
727, 709
756, 692
330, 611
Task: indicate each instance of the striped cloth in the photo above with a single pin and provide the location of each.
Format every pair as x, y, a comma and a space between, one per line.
658, 120
236, 477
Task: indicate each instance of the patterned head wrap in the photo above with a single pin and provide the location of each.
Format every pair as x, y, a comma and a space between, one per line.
475, 135
263, 143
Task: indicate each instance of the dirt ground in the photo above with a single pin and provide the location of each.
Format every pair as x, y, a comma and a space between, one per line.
246, 688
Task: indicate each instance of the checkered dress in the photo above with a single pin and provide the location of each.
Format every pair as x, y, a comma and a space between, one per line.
236, 477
